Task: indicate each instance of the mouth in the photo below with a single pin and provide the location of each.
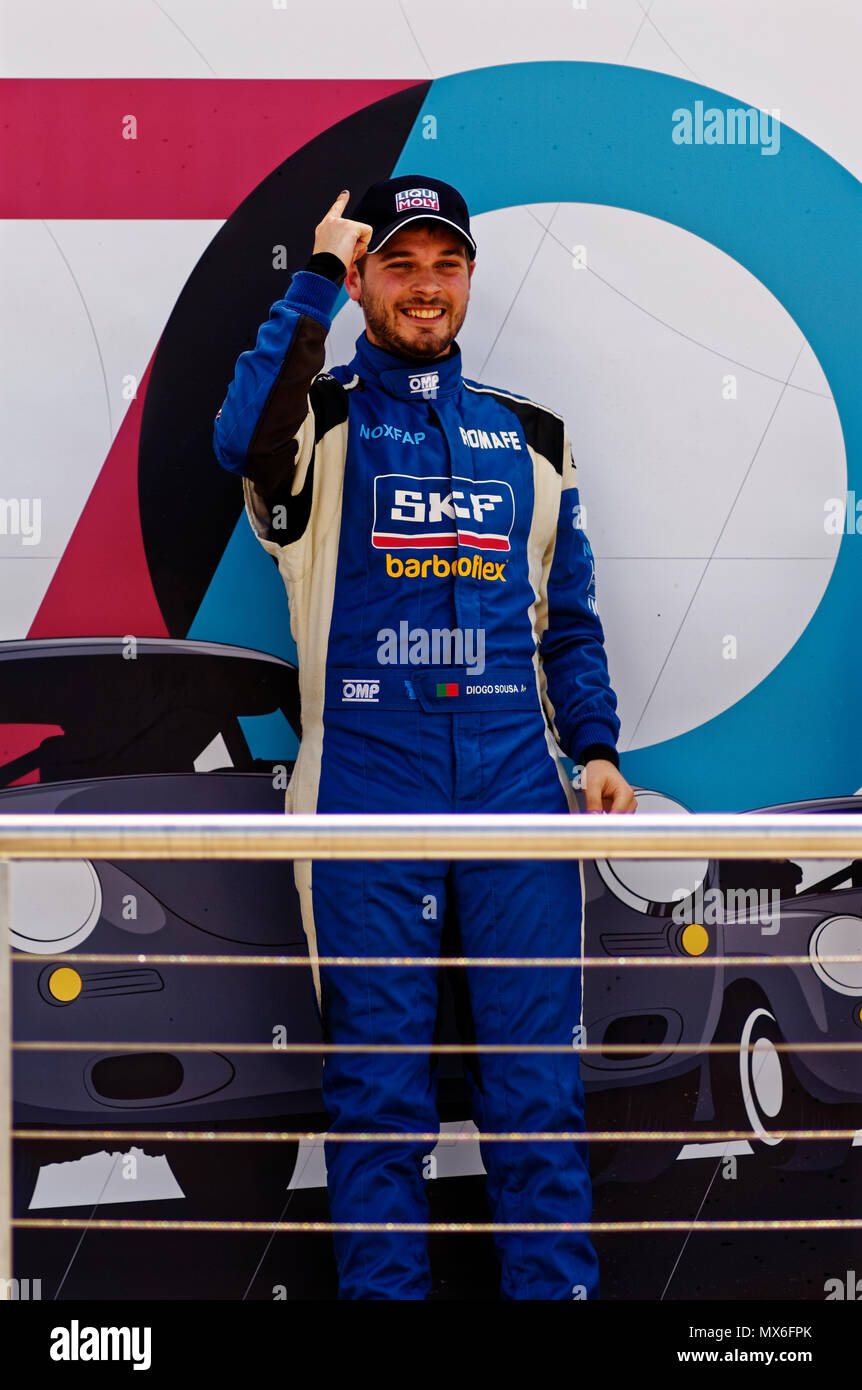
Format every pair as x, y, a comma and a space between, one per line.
432, 314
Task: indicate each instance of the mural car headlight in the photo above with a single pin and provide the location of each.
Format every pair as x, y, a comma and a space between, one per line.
55, 904
838, 936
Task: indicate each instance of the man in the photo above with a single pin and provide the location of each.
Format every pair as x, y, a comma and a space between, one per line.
441, 596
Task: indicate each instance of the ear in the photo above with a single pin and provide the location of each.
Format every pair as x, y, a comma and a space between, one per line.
352, 282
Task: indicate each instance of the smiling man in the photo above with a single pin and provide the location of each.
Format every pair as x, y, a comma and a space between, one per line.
397, 315
420, 518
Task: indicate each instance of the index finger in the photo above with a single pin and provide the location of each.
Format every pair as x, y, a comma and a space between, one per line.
345, 194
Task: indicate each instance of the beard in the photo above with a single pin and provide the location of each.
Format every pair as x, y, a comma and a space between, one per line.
410, 338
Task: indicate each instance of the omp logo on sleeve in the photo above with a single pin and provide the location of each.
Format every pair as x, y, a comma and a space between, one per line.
417, 198
415, 513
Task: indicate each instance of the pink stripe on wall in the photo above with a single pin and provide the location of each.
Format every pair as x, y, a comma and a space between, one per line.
102, 585
202, 144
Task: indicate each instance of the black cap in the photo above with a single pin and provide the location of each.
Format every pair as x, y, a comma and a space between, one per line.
393, 203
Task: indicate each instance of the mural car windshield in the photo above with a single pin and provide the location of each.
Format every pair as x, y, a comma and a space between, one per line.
789, 878
96, 707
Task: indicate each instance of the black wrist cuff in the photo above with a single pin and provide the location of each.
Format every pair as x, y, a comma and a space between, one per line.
328, 264
599, 750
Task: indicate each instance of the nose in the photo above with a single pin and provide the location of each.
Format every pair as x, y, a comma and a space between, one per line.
425, 281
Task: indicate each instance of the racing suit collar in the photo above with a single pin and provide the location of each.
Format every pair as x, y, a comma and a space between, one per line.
410, 381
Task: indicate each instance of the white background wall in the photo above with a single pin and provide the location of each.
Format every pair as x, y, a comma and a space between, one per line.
704, 515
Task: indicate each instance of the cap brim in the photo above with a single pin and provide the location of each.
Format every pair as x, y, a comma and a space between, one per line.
419, 217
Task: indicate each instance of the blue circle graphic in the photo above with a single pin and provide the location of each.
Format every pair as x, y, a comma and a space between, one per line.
598, 133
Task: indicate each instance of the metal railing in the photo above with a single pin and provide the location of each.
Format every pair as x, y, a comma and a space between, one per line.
391, 837
725, 835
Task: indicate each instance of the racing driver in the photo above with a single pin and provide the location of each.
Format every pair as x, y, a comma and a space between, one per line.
442, 599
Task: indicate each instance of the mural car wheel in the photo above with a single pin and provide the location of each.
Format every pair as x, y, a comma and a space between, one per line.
756, 1089
765, 1085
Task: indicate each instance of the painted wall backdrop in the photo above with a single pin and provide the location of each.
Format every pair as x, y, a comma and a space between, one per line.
666, 201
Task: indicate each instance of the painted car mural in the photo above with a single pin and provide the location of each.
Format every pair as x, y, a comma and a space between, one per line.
807, 908
170, 726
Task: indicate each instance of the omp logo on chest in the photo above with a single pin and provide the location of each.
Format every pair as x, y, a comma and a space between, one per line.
425, 383
443, 513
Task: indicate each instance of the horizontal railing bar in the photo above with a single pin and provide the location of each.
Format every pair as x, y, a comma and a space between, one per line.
304, 1136
402, 837
686, 1226
139, 958
432, 1049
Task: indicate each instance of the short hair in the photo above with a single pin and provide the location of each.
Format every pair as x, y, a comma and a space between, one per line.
435, 224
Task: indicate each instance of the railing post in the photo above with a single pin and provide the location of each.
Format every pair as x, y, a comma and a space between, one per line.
5, 1074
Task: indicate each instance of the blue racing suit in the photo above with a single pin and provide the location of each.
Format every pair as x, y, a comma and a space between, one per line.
442, 599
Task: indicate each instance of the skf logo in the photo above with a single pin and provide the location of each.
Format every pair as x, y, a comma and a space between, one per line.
360, 692
428, 381
419, 513
417, 198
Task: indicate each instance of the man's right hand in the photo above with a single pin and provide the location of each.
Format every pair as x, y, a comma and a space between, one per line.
346, 239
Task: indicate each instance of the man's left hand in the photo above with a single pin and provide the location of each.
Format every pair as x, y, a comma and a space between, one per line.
606, 788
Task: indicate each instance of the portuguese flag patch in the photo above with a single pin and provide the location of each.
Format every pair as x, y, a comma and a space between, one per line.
446, 690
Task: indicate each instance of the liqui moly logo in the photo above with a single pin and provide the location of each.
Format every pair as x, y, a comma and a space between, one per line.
441, 513
417, 198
